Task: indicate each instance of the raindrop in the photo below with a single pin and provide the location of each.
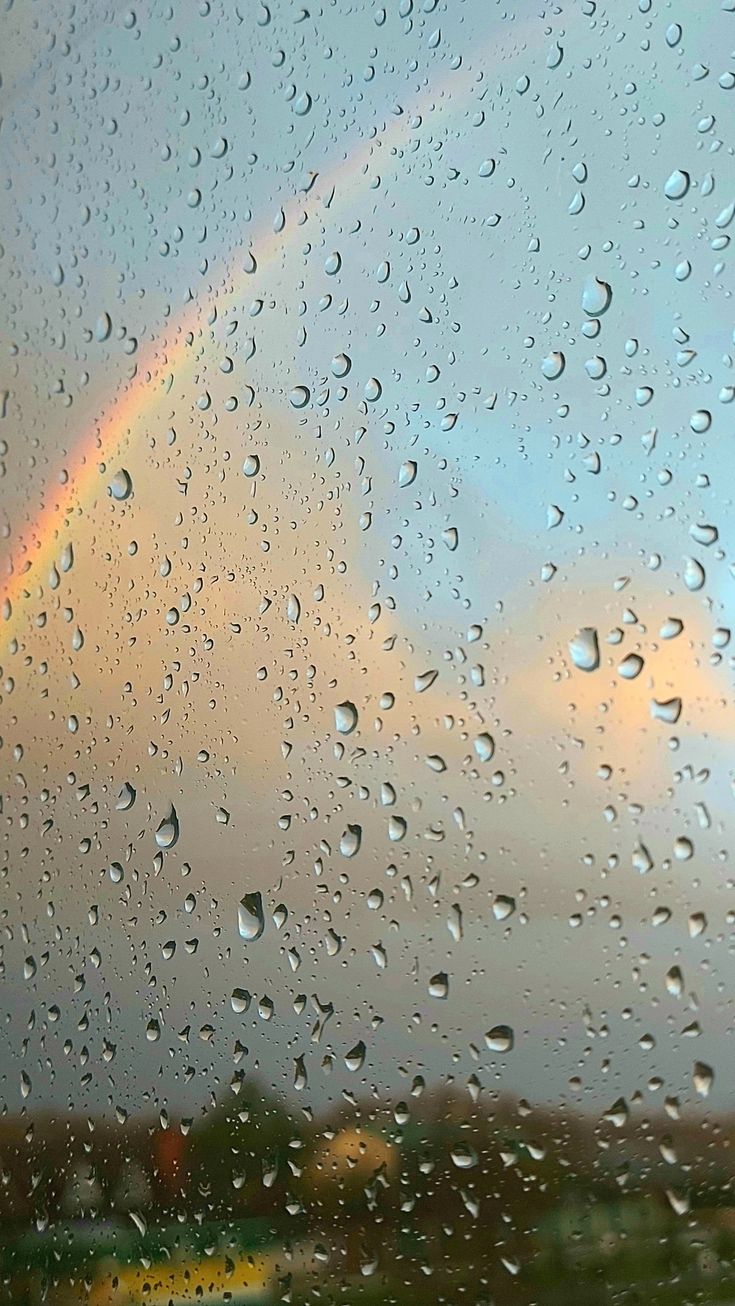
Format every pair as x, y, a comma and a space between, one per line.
503, 907
485, 747
396, 829
463, 1156
694, 574
703, 534
618, 1113
345, 717
631, 666
125, 798
700, 421
596, 297
341, 365
703, 1077
240, 1001
671, 628
553, 365
250, 917
500, 1038
677, 185
350, 842
299, 396
355, 1058
103, 327
584, 649
168, 831
642, 860
121, 486
668, 710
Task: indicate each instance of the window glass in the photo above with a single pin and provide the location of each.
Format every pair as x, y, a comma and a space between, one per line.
366, 570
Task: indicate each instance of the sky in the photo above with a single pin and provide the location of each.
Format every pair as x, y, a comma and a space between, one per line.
366, 356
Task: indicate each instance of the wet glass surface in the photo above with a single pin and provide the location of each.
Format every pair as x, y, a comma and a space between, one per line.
365, 655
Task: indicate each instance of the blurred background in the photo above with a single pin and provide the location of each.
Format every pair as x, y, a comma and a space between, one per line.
366, 565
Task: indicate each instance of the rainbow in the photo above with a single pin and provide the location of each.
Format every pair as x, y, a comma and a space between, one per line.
78, 487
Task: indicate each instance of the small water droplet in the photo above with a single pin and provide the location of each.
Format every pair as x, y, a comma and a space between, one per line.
355, 1058
299, 396
345, 717
584, 649
250, 917
668, 710
631, 666
349, 844
121, 485
168, 831
694, 574
596, 297
703, 1077
553, 365
500, 1038
676, 185
485, 747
